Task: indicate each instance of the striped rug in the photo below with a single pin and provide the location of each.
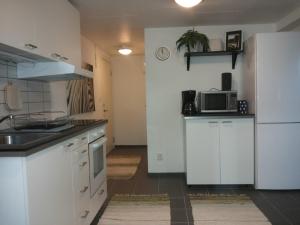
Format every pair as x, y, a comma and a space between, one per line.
122, 167
224, 209
137, 210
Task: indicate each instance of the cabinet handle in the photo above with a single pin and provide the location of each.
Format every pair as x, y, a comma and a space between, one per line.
227, 122
86, 213
63, 58
55, 55
101, 192
30, 46
83, 164
69, 145
84, 151
84, 189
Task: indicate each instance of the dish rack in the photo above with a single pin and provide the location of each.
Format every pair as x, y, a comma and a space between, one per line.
40, 120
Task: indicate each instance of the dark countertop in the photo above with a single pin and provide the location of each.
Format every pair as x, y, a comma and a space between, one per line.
221, 115
23, 150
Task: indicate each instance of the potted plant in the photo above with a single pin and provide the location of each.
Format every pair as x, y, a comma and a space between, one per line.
191, 40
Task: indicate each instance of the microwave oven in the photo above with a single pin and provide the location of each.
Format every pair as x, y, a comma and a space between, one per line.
217, 101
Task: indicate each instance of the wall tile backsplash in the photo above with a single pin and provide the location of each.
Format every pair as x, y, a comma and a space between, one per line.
35, 94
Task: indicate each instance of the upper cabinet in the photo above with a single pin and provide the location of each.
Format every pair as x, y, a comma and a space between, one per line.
88, 51
18, 24
47, 28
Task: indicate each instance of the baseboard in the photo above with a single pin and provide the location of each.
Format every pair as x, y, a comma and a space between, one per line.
130, 146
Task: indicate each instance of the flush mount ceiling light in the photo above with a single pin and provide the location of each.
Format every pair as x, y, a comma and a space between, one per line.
125, 51
188, 3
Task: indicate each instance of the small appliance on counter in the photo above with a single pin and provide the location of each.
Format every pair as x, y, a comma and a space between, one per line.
217, 101
243, 107
188, 102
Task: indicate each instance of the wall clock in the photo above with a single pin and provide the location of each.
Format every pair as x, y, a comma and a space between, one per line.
162, 53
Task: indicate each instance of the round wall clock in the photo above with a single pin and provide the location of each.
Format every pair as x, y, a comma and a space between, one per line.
162, 53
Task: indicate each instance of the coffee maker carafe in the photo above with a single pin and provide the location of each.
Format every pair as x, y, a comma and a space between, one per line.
188, 102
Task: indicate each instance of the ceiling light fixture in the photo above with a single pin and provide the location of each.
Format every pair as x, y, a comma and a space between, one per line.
125, 51
188, 3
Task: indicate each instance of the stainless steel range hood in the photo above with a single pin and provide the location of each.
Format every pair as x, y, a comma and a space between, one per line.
51, 71
34, 66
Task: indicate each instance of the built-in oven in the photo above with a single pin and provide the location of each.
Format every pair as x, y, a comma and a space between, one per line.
97, 159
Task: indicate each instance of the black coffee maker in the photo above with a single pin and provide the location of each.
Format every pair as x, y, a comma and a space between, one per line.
188, 102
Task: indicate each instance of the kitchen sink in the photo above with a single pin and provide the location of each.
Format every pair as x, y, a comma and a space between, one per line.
20, 139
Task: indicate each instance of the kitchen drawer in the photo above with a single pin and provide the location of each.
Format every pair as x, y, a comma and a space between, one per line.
70, 144
83, 172
79, 153
82, 139
83, 208
96, 133
98, 200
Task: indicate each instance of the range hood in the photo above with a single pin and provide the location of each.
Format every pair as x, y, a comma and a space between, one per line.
51, 71
34, 66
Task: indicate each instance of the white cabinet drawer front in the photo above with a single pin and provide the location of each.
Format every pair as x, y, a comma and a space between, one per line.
82, 139
70, 144
98, 200
79, 153
96, 133
83, 172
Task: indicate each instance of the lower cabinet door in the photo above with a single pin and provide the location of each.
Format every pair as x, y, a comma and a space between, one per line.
49, 185
202, 151
237, 151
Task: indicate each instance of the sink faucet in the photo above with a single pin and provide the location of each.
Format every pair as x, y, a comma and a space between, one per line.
10, 116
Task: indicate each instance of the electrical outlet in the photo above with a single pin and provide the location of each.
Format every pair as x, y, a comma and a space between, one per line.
160, 157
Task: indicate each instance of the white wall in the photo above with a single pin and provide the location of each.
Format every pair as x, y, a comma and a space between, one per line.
165, 81
129, 100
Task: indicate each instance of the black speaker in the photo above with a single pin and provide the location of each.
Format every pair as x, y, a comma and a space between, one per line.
226, 81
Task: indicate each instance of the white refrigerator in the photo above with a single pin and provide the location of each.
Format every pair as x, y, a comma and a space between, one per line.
272, 88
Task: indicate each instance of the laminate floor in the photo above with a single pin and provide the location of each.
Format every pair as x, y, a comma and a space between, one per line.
280, 207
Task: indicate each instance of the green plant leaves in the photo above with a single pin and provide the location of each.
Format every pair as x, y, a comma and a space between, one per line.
191, 39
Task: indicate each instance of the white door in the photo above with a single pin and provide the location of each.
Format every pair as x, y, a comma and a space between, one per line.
202, 151
103, 94
277, 156
237, 151
278, 77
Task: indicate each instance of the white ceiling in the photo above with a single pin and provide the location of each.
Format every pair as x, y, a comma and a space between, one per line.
111, 23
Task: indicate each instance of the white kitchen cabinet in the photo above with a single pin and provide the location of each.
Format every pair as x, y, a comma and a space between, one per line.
50, 29
237, 151
81, 186
219, 151
69, 30
202, 144
17, 25
49, 185
58, 30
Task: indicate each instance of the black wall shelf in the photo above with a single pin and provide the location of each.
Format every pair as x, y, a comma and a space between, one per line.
188, 56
